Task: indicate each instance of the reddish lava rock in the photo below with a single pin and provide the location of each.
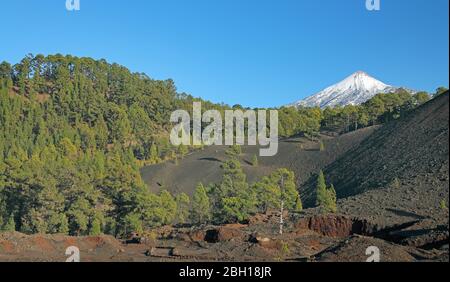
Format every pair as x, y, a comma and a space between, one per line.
335, 225
221, 234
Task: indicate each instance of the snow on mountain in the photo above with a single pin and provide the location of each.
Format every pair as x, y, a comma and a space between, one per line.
354, 90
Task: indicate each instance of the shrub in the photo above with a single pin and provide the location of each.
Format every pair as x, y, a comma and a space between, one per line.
255, 160
395, 183
321, 146
234, 151
443, 205
285, 249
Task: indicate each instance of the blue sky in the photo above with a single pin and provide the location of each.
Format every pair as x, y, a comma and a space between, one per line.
251, 52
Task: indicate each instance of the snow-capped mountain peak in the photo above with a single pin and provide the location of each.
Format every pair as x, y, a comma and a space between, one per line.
353, 90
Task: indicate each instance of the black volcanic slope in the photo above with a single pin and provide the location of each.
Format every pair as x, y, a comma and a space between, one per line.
399, 173
410, 147
298, 154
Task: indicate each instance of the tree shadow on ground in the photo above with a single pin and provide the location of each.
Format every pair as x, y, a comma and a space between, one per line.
406, 213
210, 159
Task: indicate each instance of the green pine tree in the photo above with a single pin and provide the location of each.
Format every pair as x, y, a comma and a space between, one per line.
234, 201
321, 190
95, 227
298, 205
255, 160
331, 204
201, 210
183, 203
10, 225
169, 204
234, 151
325, 196
132, 223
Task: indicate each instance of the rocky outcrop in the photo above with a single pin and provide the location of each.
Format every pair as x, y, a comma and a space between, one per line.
336, 225
221, 234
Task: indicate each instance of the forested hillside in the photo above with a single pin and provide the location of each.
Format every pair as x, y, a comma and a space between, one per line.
75, 131
73, 134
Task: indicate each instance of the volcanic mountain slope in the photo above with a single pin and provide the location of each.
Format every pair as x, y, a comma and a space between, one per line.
401, 172
300, 155
353, 90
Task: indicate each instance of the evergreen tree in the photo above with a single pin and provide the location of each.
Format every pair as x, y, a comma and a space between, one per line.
169, 205
234, 151
60, 224
154, 157
79, 217
332, 205
298, 205
234, 201
10, 225
5, 75
201, 209
255, 160
268, 194
321, 190
95, 227
421, 98
441, 90
183, 203
325, 196
132, 223
285, 180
